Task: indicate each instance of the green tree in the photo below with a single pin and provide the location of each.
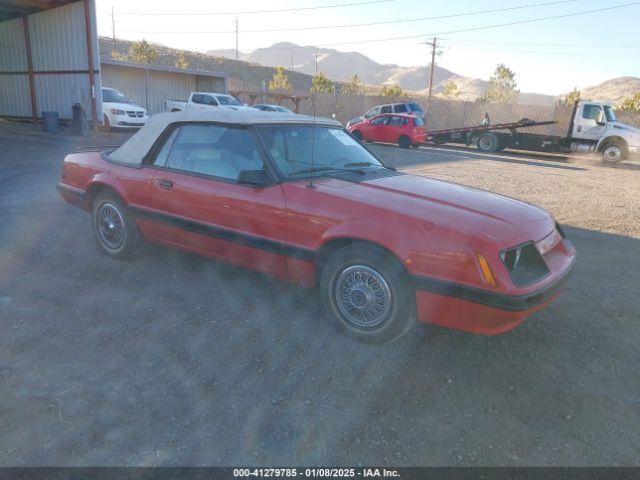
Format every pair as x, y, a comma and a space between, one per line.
570, 98
280, 82
142, 52
353, 86
502, 86
391, 91
631, 103
182, 62
450, 91
321, 84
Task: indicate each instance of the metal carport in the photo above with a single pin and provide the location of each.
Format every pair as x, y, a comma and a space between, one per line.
49, 58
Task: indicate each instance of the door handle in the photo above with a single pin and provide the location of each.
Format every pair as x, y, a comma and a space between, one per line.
579, 128
163, 183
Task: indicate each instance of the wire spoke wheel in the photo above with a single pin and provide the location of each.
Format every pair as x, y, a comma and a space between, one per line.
111, 227
363, 296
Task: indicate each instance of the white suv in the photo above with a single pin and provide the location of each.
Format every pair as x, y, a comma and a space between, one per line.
407, 108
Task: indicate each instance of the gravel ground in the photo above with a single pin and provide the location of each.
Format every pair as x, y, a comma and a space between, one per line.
578, 194
177, 360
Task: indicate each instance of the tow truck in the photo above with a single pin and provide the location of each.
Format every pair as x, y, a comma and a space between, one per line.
593, 128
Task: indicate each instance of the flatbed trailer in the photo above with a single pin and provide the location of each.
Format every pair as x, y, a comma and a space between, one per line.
496, 137
593, 127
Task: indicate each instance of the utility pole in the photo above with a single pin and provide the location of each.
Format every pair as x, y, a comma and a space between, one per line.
292, 59
236, 25
433, 46
113, 30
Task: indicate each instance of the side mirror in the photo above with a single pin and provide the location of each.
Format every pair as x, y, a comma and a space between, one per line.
600, 124
255, 178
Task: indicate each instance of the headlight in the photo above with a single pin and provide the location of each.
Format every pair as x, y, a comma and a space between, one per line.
117, 111
524, 264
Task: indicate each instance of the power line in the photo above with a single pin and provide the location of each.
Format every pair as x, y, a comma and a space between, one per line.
387, 22
485, 27
537, 52
247, 12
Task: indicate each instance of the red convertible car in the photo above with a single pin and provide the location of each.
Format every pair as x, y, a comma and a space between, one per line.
405, 130
298, 198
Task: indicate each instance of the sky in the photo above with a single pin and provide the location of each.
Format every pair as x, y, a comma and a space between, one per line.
550, 56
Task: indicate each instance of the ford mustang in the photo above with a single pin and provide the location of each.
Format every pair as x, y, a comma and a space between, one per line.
300, 199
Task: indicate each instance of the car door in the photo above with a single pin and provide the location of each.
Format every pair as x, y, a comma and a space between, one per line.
197, 203
393, 129
377, 128
590, 122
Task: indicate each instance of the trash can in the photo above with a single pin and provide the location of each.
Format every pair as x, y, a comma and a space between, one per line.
79, 124
50, 121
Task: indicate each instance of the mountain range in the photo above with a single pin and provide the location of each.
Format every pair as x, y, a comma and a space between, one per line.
343, 65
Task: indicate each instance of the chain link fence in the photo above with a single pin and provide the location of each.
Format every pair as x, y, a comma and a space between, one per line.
443, 113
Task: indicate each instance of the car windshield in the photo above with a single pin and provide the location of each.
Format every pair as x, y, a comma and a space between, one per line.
114, 96
228, 100
333, 150
415, 107
610, 113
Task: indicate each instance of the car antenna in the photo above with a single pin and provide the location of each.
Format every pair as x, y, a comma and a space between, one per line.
313, 126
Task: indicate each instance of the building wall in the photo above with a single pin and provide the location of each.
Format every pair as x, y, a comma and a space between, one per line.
60, 64
150, 88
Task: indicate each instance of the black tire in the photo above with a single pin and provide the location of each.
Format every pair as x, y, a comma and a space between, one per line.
488, 142
614, 151
357, 135
106, 125
116, 232
404, 142
394, 295
415, 145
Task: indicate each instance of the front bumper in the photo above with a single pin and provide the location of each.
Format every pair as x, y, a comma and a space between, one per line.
481, 311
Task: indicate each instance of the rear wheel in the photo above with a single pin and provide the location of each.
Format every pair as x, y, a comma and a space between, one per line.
614, 151
488, 142
357, 135
368, 293
116, 232
404, 142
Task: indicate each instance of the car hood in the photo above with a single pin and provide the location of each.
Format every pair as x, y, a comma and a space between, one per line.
622, 126
123, 106
454, 206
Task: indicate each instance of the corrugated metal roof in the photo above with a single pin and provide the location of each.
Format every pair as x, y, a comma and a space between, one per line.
19, 8
163, 68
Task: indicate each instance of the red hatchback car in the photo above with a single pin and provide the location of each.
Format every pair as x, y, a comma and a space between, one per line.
405, 130
298, 198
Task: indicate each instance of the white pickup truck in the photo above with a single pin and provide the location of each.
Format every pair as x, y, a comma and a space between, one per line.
200, 100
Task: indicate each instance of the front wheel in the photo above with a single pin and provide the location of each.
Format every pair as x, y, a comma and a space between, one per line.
368, 293
116, 232
488, 142
357, 135
614, 152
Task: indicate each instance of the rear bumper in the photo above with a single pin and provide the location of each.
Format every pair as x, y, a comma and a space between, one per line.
481, 311
72, 195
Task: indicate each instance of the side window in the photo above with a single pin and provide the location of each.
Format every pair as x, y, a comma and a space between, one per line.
163, 154
379, 121
418, 122
592, 112
214, 150
401, 108
210, 100
197, 98
386, 109
395, 121
372, 113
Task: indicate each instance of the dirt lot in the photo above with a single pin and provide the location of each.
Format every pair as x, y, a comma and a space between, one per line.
177, 360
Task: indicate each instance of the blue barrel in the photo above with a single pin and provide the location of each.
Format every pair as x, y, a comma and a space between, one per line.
50, 121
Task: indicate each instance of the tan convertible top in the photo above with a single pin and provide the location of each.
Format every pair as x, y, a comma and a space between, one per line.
134, 150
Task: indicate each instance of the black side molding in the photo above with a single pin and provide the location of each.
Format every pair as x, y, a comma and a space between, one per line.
271, 246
